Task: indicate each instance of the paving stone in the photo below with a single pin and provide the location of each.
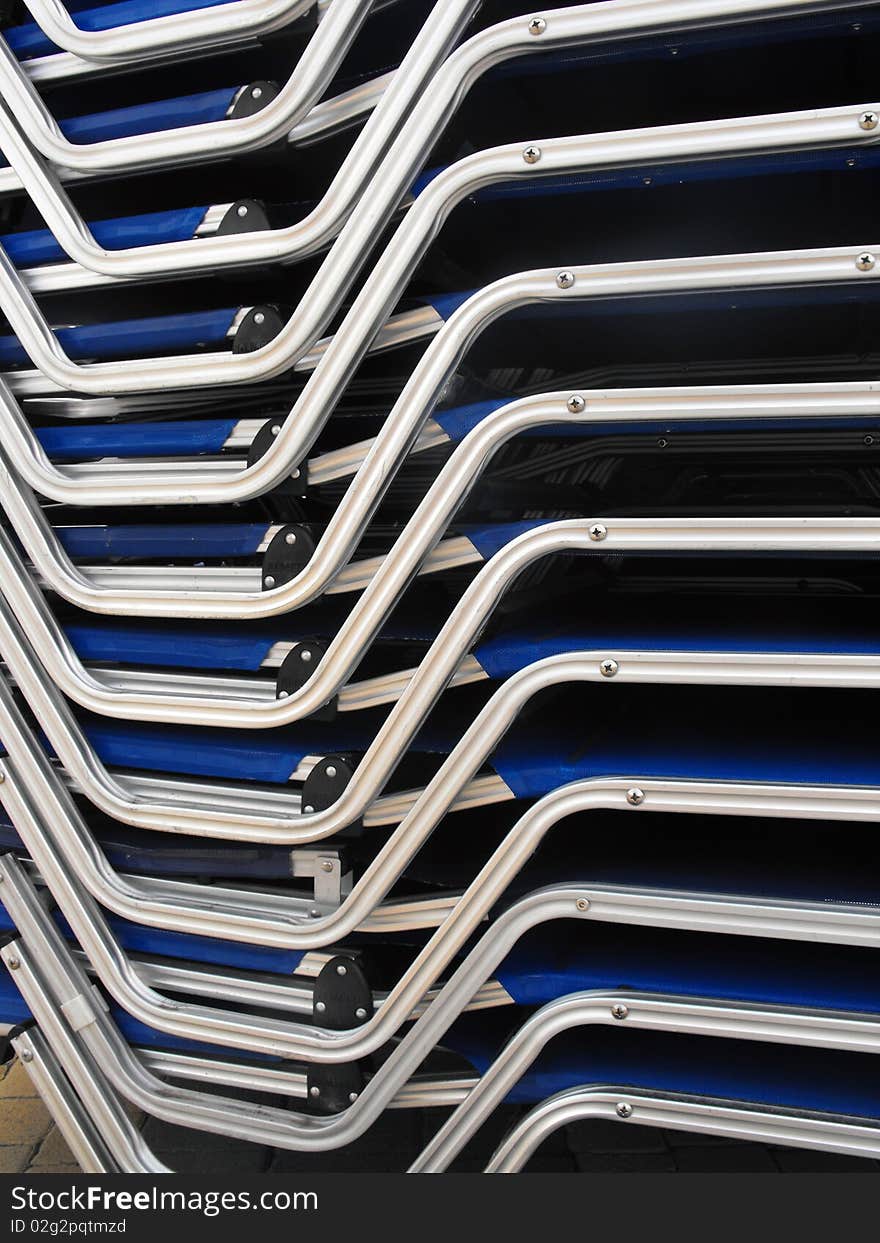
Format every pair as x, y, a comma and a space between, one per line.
23, 1120
52, 1151
718, 1159
14, 1157
16, 1081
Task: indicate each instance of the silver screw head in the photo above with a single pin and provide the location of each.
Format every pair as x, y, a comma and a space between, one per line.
330, 770
352, 1096
868, 120
26, 1055
623, 1110
13, 963
565, 280
308, 809
865, 262
635, 797
305, 655
270, 580
619, 1011
537, 26
320, 1006
342, 970
598, 531
284, 694
276, 429
326, 865
241, 212
608, 668
257, 92
314, 1090
290, 537
259, 318
531, 155
360, 1013
583, 904
575, 404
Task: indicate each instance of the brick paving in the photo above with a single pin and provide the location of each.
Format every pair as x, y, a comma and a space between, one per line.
30, 1143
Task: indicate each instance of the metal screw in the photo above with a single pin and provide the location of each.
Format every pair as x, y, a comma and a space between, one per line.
259, 318
314, 913
582, 904
619, 1012
352, 1096
326, 865
242, 211
269, 581
608, 668
26, 1055
320, 1006
308, 809
576, 404
865, 262
284, 694
868, 120
360, 1013
635, 797
537, 26
290, 538
850, 163
662, 442
330, 770
531, 155
314, 1091
276, 429
565, 280
295, 474
13, 963
306, 655
624, 1110
341, 970
257, 92
647, 181
598, 531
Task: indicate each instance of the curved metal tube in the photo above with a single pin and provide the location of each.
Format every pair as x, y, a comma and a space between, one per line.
451, 487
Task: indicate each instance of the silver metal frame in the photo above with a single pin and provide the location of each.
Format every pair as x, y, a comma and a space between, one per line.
200, 1111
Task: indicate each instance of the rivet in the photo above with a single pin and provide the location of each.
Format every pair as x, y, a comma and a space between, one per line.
537, 26
276, 429
284, 694
869, 440
314, 1091
241, 212
290, 537
295, 474
352, 1096
531, 155
320, 1006
360, 1013
850, 163
306, 655
257, 92
330, 770
647, 181
598, 531
582, 904
868, 120
341, 970
635, 797
865, 262
576, 404
259, 318
308, 809
326, 865
608, 668
269, 581
619, 1011
26, 1055
662, 442
624, 1110
315, 914
13, 963
565, 280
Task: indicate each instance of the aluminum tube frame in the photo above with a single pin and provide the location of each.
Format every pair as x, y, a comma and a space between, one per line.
201, 1111
647, 1011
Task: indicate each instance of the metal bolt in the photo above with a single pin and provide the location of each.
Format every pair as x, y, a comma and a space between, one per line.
624, 1110
330, 770
13, 963
341, 970
320, 1006
284, 694
314, 1091
619, 1012
295, 475
635, 797
531, 155
865, 262
290, 537
259, 318
598, 531
868, 120
576, 404
582, 904
360, 1013
269, 581
276, 429
352, 1096
565, 280
537, 26
608, 668
306, 655
241, 212
308, 809
326, 865
257, 92
26, 1055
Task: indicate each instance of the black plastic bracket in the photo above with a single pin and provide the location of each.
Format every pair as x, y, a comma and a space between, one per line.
253, 99
288, 554
7, 1052
243, 216
297, 667
298, 481
333, 1089
326, 782
260, 326
342, 996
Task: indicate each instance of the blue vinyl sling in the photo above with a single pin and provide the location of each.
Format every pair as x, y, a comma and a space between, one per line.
135, 337
31, 247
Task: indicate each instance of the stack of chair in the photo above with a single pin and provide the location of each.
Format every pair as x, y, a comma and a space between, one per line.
439, 604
